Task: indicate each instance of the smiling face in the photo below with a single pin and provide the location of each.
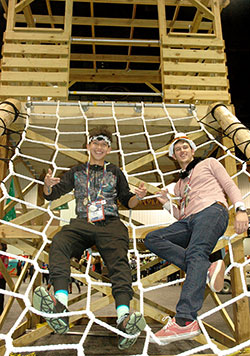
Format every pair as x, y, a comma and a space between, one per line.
98, 149
183, 153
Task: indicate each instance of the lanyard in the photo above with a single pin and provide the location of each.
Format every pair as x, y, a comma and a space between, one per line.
185, 200
101, 185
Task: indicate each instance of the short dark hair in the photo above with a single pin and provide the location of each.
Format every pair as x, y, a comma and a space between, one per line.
101, 130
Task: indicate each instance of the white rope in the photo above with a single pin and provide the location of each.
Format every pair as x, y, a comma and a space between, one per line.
142, 130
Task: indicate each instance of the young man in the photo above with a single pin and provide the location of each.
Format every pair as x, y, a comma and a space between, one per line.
202, 219
97, 186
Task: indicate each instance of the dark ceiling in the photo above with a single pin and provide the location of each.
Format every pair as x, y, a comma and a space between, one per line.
236, 32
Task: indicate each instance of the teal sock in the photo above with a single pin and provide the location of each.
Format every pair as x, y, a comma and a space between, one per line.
62, 296
121, 310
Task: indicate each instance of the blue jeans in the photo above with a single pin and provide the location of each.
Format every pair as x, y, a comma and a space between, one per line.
188, 243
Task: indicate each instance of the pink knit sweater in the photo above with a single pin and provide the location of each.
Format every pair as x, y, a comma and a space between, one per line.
207, 183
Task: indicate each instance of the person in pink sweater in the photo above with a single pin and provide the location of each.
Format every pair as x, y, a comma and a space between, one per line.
202, 218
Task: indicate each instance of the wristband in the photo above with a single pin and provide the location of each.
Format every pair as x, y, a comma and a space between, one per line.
137, 197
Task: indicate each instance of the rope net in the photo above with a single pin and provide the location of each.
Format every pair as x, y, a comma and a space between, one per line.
53, 137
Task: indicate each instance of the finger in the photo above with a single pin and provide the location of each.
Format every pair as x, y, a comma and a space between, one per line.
141, 185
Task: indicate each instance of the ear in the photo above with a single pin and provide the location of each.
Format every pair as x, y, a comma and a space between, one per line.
87, 146
174, 157
109, 150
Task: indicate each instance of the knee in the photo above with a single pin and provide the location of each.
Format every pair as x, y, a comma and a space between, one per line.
149, 240
58, 245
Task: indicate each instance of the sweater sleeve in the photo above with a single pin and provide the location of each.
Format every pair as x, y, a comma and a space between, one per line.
226, 182
65, 186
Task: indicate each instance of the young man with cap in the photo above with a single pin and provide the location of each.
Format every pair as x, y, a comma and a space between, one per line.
97, 186
202, 218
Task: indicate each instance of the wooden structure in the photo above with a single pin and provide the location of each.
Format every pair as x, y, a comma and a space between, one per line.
30, 242
174, 48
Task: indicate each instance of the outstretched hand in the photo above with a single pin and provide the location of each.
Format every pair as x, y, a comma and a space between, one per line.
49, 180
163, 196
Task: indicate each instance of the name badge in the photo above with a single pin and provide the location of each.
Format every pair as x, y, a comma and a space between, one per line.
95, 211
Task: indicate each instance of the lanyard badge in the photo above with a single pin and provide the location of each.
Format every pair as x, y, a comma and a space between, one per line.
95, 209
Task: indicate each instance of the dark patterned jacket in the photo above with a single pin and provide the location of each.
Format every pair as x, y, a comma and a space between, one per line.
115, 187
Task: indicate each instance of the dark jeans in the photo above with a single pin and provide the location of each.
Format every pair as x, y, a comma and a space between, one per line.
111, 239
188, 243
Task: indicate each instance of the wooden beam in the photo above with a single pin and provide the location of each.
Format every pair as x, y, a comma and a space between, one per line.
115, 76
203, 9
22, 4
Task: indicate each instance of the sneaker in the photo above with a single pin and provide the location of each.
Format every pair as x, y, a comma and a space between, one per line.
173, 332
131, 324
47, 303
216, 273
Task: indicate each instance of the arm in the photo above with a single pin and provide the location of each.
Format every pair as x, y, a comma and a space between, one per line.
49, 182
241, 219
54, 188
140, 193
125, 196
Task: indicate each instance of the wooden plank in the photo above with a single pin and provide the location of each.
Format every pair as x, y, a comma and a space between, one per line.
240, 307
12, 203
194, 54
193, 41
18, 233
115, 76
35, 63
208, 95
112, 58
186, 67
10, 16
188, 80
202, 8
41, 77
14, 288
3, 168
22, 4
18, 48
7, 114
68, 18
33, 91
47, 36
102, 21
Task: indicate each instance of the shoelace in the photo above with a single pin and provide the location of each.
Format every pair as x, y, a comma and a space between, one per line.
170, 321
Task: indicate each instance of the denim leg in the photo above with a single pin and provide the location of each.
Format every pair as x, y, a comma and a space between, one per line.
207, 227
170, 242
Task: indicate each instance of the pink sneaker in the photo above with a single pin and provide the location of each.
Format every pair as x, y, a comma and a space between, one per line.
173, 332
216, 275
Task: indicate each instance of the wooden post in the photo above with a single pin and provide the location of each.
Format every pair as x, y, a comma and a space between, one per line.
9, 110
3, 168
232, 127
7, 116
241, 307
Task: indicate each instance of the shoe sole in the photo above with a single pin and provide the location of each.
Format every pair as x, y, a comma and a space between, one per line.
43, 302
135, 325
168, 340
217, 281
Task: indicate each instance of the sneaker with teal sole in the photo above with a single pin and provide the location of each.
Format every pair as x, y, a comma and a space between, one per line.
131, 324
47, 303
